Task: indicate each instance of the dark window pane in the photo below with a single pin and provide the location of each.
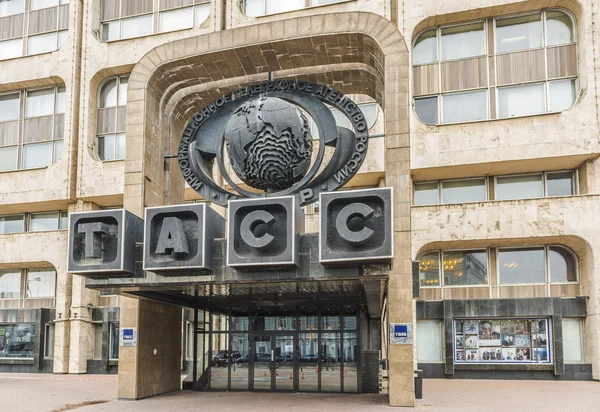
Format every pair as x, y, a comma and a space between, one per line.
427, 110
17, 341
522, 266
429, 269
559, 184
114, 341
465, 268
562, 265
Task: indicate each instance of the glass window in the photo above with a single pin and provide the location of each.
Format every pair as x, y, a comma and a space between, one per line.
519, 187
202, 12
48, 341
330, 322
106, 147
465, 268
426, 194
114, 341
120, 143
11, 48
9, 107
39, 222
12, 224
559, 28
58, 147
429, 269
63, 35
42, 43
463, 41
561, 265
562, 95
519, 266
10, 285
108, 94
42, 4
17, 341
519, 33
572, 340
64, 221
39, 103
464, 107
8, 158
40, 284
278, 6
97, 341
463, 191
559, 184
429, 341
10, 7
176, 19
427, 109
370, 112
61, 91
521, 100
37, 155
255, 8
123, 83
111, 30
136, 26
425, 49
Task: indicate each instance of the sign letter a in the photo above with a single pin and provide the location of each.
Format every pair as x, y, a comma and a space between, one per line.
172, 237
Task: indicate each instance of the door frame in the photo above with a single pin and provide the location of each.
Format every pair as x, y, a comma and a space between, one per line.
273, 334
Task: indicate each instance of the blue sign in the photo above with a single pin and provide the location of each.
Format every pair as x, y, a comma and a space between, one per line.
400, 331
127, 334
128, 337
401, 334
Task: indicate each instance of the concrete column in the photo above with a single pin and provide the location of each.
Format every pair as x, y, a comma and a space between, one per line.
153, 367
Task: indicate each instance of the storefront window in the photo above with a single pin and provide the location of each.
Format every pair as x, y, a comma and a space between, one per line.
114, 341
17, 341
502, 341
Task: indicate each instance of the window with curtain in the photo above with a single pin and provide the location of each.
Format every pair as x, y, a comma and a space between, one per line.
40, 283
112, 108
31, 137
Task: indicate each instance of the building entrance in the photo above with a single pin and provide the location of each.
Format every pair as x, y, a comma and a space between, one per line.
313, 350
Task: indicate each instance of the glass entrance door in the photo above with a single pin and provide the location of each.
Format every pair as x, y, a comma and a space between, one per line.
284, 363
273, 362
263, 359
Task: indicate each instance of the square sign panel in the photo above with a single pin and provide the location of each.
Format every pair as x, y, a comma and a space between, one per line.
181, 237
356, 225
103, 241
264, 232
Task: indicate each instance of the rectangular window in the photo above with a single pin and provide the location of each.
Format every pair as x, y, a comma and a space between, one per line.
9, 107
40, 284
562, 95
201, 12
97, 341
42, 4
465, 268
560, 184
463, 41
519, 33
429, 269
278, 6
519, 187
111, 30
10, 285
39, 222
429, 341
42, 43
10, 7
427, 110
136, 26
426, 48
464, 191
464, 107
522, 266
17, 341
426, 194
48, 341
12, 224
189, 349
61, 92
114, 341
64, 221
58, 147
502, 341
37, 155
572, 340
176, 19
517, 101
8, 159
11, 48
39, 103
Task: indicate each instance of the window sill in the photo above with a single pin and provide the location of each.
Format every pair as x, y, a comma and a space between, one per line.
26, 170
497, 200
16, 361
300, 9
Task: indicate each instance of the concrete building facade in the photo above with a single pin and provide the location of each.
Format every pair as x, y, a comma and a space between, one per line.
484, 120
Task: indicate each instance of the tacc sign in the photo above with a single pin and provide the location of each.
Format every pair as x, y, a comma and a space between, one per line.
356, 227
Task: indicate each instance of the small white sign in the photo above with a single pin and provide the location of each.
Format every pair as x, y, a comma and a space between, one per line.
401, 334
128, 337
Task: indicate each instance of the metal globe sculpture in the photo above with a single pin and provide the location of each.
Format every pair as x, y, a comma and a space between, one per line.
269, 143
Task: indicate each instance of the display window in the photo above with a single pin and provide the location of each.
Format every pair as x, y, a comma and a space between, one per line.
17, 341
502, 341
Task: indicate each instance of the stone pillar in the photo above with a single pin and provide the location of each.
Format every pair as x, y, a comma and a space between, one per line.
153, 366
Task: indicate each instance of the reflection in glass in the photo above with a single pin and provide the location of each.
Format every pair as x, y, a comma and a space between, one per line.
330, 322
559, 184
219, 362
10, 285
465, 268
519, 187
562, 265
308, 345
518, 266
429, 269
425, 48
17, 341
284, 357
463, 41
427, 110
40, 284
559, 28
330, 361
463, 191
113, 343
262, 362
240, 355
519, 33
350, 362
202, 12
464, 107
426, 194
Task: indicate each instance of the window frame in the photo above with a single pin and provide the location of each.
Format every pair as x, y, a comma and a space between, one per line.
308, 5
25, 283
111, 325
440, 184
119, 78
464, 91
48, 331
441, 277
574, 184
20, 292
441, 340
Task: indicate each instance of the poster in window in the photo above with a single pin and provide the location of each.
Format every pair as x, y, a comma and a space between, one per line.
523, 354
489, 333
508, 341
460, 343
521, 326
508, 354
460, 356
538, 326
472, 342
522, 341
472, 355
459, 327
508, 326
490, 354
540, 355
471, 327
540, 340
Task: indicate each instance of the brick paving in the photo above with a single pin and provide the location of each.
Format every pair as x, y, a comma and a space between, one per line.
97, 393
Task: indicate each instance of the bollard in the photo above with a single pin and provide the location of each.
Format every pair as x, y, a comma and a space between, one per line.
418, 384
